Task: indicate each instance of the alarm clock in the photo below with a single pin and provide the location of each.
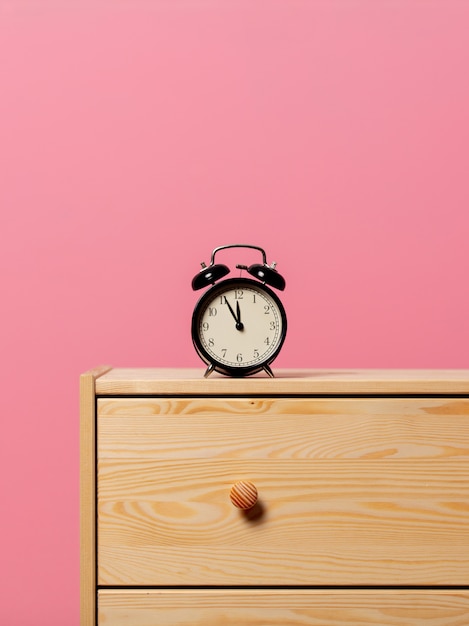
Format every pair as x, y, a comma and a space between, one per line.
239, 324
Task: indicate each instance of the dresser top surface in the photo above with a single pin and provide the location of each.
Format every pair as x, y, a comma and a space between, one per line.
165, 381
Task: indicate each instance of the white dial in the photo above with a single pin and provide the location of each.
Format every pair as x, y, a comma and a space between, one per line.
239, 325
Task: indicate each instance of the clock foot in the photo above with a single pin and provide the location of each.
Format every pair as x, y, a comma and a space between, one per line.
209, 370
269, 371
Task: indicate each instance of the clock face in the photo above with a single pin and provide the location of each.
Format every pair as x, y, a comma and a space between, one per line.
239, 326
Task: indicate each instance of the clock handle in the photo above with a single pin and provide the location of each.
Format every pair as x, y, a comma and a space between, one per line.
265, 273
239, 245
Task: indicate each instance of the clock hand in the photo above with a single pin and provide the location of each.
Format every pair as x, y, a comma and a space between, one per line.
231, 310
239, 325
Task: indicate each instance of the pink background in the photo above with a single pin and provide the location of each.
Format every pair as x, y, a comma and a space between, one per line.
135, 137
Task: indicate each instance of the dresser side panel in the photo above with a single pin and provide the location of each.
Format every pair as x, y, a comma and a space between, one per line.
88, 495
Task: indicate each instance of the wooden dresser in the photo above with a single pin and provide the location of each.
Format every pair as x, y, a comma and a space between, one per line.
362, 516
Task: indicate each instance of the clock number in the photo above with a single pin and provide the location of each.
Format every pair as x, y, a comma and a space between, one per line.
239, 293
212, 311
272, 325
211, 342
266, 309
205, 326
224, 351
267, 341
239, 357
256, 353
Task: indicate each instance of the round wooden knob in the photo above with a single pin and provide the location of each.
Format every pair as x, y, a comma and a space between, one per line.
243, 494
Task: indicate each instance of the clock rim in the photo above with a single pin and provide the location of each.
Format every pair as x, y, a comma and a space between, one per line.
221, 368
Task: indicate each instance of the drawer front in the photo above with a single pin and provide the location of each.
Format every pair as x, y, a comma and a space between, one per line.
282, 608
351, 491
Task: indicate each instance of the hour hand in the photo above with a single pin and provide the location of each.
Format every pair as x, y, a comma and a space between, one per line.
238, 313
239, 325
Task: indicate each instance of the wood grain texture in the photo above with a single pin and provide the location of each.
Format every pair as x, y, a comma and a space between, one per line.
283, 607
88, 496
335, 522
156, 381
363, 491
278, 428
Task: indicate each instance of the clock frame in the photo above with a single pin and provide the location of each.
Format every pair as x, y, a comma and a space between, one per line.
239, 327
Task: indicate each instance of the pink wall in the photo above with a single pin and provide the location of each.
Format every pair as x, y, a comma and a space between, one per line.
137, 136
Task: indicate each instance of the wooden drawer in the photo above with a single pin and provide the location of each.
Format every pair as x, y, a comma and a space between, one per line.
353, 491
280, 607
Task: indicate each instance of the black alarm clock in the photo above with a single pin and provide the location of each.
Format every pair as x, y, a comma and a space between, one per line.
239, 324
